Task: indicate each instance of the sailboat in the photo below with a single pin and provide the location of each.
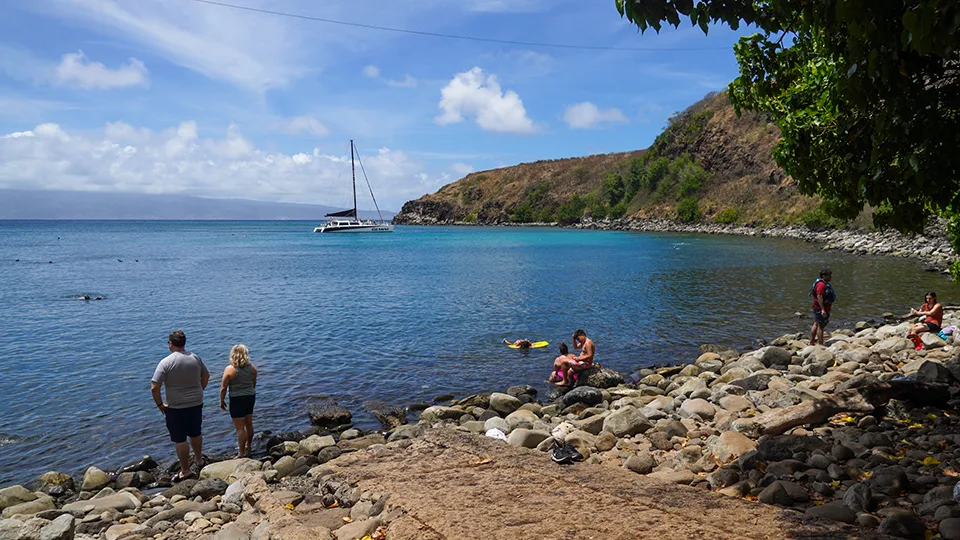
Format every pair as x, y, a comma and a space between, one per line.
347, 221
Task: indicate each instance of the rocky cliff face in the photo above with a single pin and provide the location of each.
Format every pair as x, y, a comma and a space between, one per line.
742, 182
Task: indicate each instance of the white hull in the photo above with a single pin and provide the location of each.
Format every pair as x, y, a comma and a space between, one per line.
355, 228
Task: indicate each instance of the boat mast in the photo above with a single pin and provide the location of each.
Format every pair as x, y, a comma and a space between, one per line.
353, 172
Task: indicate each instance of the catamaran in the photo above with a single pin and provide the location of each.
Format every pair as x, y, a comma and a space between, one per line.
348, 221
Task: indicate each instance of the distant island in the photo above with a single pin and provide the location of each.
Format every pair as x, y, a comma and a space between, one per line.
30, 204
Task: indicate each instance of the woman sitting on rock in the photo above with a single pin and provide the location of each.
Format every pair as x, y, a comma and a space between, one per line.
556, 375
240, 377
932, 313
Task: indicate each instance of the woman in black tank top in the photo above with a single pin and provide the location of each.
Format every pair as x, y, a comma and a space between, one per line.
240, 378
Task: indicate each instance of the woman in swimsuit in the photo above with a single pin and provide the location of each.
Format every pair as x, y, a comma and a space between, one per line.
932, 313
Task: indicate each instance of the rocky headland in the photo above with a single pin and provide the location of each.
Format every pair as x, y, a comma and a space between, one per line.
857, 438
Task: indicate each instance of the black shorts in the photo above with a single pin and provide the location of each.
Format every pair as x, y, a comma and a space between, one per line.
241, 406
933, 327
821, 318
183, 423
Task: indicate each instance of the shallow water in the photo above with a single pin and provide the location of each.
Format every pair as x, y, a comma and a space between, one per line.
396, 317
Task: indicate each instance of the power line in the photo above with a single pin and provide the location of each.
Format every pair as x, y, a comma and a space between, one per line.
455, 36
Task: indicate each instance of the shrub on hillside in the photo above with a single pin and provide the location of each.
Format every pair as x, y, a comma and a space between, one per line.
612, 188
571, 211
727, 217
522, 214
617, 211
688, 210
544, 215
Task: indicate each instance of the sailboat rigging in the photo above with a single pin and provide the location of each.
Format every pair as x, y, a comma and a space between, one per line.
353, 223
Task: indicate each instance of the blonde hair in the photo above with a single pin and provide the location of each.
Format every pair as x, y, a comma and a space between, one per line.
239, 356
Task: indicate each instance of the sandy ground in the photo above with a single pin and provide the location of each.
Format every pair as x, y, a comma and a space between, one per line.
458, 486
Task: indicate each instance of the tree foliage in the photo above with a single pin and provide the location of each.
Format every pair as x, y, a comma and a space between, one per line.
866, 94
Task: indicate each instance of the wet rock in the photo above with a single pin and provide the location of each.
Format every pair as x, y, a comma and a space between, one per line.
599, 377
94, 480
328, 414
52, 479
583, 394
389, 416
146, 463
903, 523
504, 403
626, 421
833, 510
127, 479
950, 529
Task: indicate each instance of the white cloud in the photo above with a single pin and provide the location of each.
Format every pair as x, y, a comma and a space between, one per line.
300, 125
461, 169
124, 158
75, 69
474, 93
372, 71
586, 115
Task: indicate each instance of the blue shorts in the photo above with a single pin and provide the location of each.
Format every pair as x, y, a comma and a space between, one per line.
821, 318
932, 327
241, 406
183, 423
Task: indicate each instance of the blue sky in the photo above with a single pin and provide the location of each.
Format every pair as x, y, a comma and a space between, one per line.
178, 96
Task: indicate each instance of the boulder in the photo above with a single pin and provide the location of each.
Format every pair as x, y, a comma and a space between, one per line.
774, 356
934, 372
902, 523
389, 416
775, 493
599, 377
735, 404
315, 443
521, 417
890, 481
859, 498
118, 502
626, 421
208, 488
932, 341
640, 463
441, 412
15, 495
229, 470
674, 477
357, 529
527, 438
722, 478
328, 414
892, 345
753, 382
361, 443
833, 510
782, 447
94, 480
730, 445
61, 528
53, 479
586, 395
504, 403
700, 407
950, 529
41, 503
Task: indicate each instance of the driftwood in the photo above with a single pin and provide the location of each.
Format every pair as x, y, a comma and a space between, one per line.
864, 399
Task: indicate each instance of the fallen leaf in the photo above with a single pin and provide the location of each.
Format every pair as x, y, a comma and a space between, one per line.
951, 472
932, 416
484, 461
367, 537
915, 426
288, 506
930, 460
848, 419
347, 519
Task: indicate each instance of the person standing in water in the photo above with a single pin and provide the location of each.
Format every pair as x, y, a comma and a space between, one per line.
240, 378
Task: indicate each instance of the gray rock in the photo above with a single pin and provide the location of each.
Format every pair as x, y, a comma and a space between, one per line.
774, 356
890, 481
674, 428
735, 404
775, 493
440, 412
234, 494
208, 488
903, 523
231, 531
61, 528
14, 495
722, 478
51, 479
786, 467
782, 447
229, 470
315, 443
527, 438
41, 503
94, 480
700, 407
833, 510
859, 498
674, 477
950, 529
754, 382
934, 372
361, 443
118, 502
284, 466
599, 377
871, 439
504, 403
730, 445
583, 394
626, 421
389, 416
640, 463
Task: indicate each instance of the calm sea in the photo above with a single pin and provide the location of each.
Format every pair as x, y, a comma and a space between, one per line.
397, 317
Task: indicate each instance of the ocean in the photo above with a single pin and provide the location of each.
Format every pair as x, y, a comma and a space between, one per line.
398, 318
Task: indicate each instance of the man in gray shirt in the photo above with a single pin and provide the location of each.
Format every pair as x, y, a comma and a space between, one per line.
185, 377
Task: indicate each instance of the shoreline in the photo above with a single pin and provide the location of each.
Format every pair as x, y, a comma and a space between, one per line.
932, 247
709, 423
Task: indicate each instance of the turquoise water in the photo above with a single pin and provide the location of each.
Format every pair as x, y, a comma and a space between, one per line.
396, 317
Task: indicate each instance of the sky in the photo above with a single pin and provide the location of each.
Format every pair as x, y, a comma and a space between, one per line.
181, 96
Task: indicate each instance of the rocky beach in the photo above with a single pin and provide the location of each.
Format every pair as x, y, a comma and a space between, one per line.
859, 436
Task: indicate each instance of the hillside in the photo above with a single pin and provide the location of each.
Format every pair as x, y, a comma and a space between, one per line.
707, 165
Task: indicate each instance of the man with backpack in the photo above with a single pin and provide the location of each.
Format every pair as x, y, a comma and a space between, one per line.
823, 298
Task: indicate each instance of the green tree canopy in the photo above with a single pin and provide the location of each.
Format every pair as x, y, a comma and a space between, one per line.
866, 94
